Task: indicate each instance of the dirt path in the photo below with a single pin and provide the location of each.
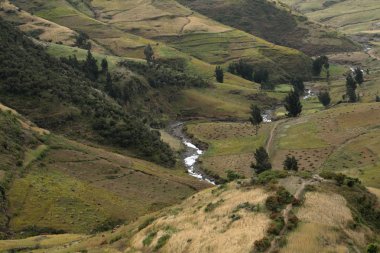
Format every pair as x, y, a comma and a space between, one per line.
285, 213
269, 144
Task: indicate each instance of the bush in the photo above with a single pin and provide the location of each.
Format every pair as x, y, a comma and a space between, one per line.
211, 206
146, 223
262, 245
149, 238
161, 242
270, 176
276, 203
276, 226
372, 248
232, 175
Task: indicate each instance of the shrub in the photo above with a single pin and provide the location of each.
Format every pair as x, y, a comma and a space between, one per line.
247, 206
262, 245
146, 223
270, 175
149, 238
276, 203
276, 226
372, 248
211, 206
232, 175
161, 242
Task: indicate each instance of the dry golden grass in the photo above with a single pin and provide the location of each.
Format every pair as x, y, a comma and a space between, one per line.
200, 24
314, 238
327, 209
173, 142
375, 191
194, 230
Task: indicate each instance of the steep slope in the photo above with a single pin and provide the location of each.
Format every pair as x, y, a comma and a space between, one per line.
276, 23
112, 26
360, 20
59, 97
50, 184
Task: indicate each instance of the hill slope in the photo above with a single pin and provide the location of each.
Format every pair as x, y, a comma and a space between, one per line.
50, 184
239, 217
276, 23
125, 27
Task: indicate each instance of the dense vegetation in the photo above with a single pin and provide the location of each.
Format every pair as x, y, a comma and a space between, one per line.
58, 96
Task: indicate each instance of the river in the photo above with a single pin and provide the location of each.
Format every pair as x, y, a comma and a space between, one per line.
191, 154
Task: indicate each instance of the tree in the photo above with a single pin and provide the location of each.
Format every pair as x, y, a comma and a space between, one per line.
149, 54
262, 161
298, 86
318, 63
241, 68
261, 76
256, 119
290, 163
219, 74
293, 104
82, 41
351, 88
359, 78
324, 98
91, 67
104, 65
109, 85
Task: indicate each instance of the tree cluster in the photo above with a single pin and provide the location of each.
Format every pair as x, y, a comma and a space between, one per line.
81, 41
241, 68
35, 83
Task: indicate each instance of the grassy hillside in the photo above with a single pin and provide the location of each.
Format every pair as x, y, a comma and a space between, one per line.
344, 142
360, 20
57, 96
276, 23
126, 32
238, 217
50, 184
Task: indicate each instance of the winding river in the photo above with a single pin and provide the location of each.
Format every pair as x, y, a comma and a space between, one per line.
191, 154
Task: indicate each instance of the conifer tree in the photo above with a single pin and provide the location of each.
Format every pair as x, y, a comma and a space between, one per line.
256, 119
219, 74
324, 98
262, 161
293, 104
91, 67
291, 163
149, 54
351, 89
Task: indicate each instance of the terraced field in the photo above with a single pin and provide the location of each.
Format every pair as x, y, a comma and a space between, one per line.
340, 139
125, 27
275, 22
